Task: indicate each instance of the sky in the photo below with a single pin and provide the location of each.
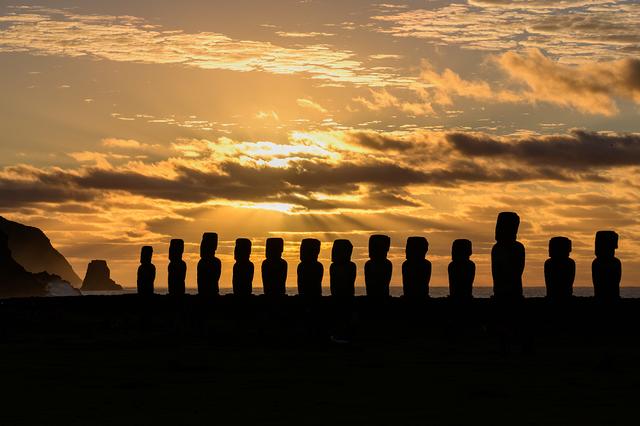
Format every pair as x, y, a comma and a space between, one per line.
127, 123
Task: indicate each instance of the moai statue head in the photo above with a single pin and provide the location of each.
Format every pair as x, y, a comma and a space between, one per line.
461, 249
417, 248
507, 226
176, 249
209, 244
274, 248
341, 251
242, 251
4, 245
146, 253
309, 250
379, 246
559, 247
606, 243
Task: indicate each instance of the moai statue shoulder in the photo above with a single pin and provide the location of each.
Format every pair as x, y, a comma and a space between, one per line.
342, 272
177, 270
310, 271
378, 269
209, 266
606, 269
462, 270
243, 268
416, 270
507, 258
274, 268
559, 270
146, 272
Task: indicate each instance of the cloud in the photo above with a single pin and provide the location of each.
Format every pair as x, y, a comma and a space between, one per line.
129, 39
574, 31
577, 151
325, 174
122, 143
308, 103
590, 88
383, 99
532, 77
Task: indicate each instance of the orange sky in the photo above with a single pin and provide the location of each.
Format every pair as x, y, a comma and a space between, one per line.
130, 124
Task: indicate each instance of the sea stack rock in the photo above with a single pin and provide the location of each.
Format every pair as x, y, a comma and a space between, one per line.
98, 277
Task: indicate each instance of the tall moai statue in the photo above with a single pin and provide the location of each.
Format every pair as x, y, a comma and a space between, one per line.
507, 258
378, 269
243, 268
606, 269
462, 270
310, 271
177, 268
146, 272
274, 268
559, 270
342, 272
209, 266
416, 270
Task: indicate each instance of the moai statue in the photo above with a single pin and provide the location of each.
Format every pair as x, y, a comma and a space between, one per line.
462, 271
416, 270
559, 269
177, 268
310, 271
606, 269
209, 266
507, 258
146, 272
274, 268
243, 268
342, 272
378, 269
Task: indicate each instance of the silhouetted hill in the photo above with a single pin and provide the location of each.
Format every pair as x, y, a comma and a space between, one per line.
32, 249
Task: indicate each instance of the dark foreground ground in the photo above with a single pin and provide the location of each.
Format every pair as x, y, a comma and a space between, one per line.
117, 360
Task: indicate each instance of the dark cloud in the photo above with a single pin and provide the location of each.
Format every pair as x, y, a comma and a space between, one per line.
378, 182
579, 151
380, 142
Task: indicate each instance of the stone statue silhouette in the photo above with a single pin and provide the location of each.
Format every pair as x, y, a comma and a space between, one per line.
507, 258
378, 269
209, 266
146, 272
243, 268
462, 271
274, 268
559, 270
342, 272
606, 269
310, 271
416, 270
177, 268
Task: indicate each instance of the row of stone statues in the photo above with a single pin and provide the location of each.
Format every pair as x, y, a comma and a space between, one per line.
507, 267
